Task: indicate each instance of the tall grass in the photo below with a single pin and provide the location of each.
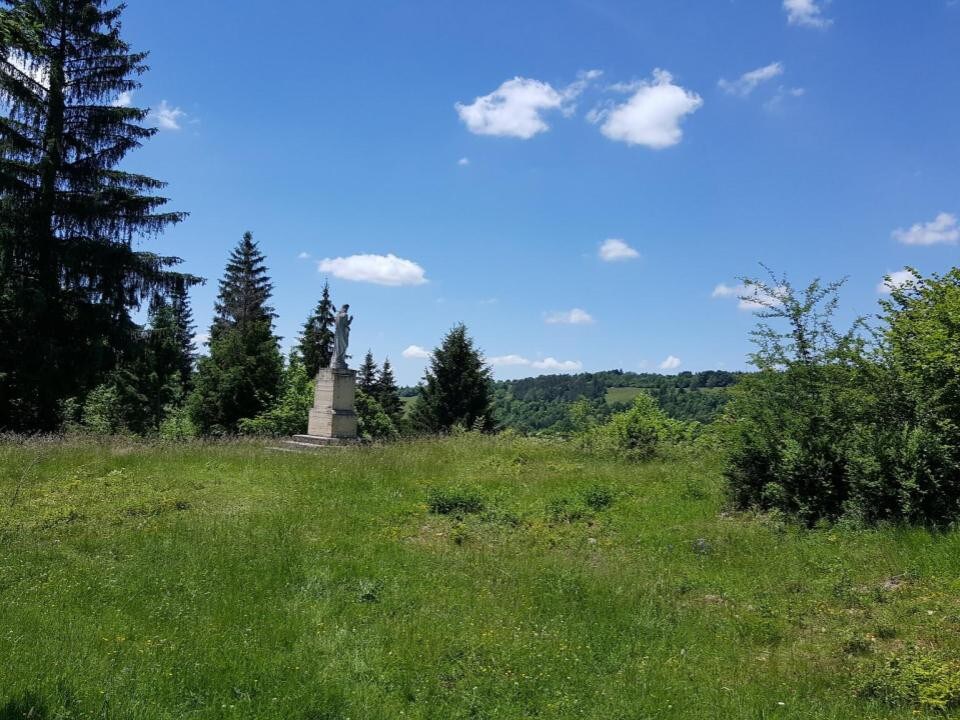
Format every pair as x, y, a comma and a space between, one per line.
226, 581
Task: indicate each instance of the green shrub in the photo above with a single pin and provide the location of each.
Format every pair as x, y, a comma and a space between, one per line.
288, 416
456, 500
635, 434
915, 678
598, 497
373, 422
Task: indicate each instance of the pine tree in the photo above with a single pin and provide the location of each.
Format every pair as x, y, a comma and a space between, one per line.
316, 341
241, 376
456, 388
69, 275
388, 394
367, 375
183, 335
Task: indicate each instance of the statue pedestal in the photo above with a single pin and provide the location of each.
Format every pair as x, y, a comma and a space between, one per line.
333, 415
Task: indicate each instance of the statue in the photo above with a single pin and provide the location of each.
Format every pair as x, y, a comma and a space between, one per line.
341, 338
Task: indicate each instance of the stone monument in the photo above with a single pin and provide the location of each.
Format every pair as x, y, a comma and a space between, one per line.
333, 416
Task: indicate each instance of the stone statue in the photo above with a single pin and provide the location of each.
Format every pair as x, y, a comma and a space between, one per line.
341, 338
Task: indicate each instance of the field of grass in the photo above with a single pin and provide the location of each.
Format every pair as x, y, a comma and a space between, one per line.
227, 581
622, 394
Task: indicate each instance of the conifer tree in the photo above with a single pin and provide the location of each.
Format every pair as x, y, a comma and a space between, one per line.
388, 394
241, 376
316, 341
367, 375
456, 388
69, 274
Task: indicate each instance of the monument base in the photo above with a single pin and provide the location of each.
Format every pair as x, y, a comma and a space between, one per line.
333, 415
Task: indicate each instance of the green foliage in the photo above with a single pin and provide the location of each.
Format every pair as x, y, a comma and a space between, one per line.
316, 340
373, 423
636, 433
388, 395
367, 375
177, 426
455, 500
70, 218
916, 677
456, 388
544, 403
834, 426
598, 497
241, 376
289, 415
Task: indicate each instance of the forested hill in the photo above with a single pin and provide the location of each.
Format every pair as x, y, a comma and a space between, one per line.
542, 403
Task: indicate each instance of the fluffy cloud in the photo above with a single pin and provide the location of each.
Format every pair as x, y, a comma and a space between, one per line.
942, 229
168, 118
895, 280
550, 363
377, 269
652, 116
806, 13
570, 317
415, 352
750, 298
615, 250
671, 363
516, 108
463, 162
303, 256
748, 82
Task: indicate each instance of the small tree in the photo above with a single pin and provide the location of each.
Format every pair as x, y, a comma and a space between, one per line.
388, 394
316, 341
289, 415
241, 376
456, 388
367, 375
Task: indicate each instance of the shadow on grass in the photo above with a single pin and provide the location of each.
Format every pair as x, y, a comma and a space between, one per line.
25, 706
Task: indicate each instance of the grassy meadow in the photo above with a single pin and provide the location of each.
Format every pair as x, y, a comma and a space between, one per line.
466, 578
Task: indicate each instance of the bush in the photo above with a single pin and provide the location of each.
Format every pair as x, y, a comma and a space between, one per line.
449, 501
635, 434
598, 497
915, 678
861, 424
373, 422
288, 416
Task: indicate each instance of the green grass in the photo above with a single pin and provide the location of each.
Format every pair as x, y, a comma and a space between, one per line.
226, 581
622, 394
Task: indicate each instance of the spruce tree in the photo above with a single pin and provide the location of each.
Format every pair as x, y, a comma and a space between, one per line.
316, 341
388, 394
69, 274
367, 375
241, 376
456, 388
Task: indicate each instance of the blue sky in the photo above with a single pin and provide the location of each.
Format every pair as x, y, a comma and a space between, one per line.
487, 152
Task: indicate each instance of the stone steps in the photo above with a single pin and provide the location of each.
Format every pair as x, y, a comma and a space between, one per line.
311, 443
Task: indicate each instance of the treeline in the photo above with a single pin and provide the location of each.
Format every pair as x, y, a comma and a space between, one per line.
543, 403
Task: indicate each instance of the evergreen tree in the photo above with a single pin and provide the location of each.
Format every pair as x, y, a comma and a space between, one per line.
183, 335
388, 394
367, 375
316, 341
69, 275
241, 376
456, 388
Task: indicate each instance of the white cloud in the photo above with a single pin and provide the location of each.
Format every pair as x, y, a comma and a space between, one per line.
557, 365
615, 250
416, 352
463, 162
125, 99
652, 116
750, 298
549, 363
515, 109
377, 269
806, 13
895, 280
168, 118
201, 338
303, 256
748, 82
671, 363
570, 317
942, 229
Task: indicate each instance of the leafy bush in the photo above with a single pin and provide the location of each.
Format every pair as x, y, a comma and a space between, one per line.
177, 425
598, 497
915, 678
636, 433
456, 500
373, 422
288, 416
863, 423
